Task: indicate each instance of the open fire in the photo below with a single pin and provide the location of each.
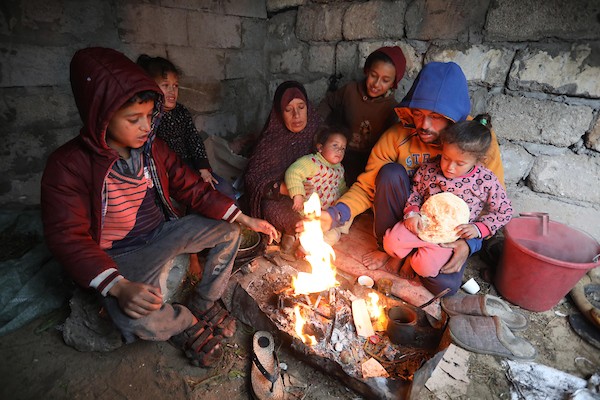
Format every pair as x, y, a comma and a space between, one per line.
332, 322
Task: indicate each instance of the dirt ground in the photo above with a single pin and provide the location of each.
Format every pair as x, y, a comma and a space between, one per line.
37, 364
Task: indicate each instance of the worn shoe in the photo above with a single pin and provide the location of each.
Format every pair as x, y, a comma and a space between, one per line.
486, 305
489, 335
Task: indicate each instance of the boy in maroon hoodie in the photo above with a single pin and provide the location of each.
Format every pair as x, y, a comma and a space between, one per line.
110, 221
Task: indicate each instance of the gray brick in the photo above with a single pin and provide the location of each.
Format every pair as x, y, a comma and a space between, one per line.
276, 5
538, 121
517, 163
374, 19
481, 64
214, 31
245, 64
573, 71
24, 65
254, 34
321, 59
201, 97
287, 62
203, 65
531, 20
215, 6
446, 19
555, 175
151, 24
246, 8
319, 23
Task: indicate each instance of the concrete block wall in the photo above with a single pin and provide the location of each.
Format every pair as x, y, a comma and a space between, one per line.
532, 64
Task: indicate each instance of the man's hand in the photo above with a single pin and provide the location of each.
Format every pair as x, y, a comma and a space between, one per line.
136, 299
459, 256
208, 177
260, 225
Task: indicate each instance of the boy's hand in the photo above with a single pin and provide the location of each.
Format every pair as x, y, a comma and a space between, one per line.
414, 224
260, 225
459, 256
298, 203
208, 177
136, 299
467, 231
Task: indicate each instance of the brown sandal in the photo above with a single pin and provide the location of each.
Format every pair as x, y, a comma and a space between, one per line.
200, 344
218, 319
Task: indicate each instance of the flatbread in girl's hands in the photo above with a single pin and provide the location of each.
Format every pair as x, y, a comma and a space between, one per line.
441, 214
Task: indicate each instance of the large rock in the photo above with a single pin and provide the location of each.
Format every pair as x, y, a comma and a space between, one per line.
582, 216
592, 139
538, 121
517, 163
248, 8
321, 58
572, 71
567, 176
481, 64
531, 20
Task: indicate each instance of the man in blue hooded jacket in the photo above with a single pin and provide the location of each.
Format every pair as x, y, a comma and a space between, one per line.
438, 98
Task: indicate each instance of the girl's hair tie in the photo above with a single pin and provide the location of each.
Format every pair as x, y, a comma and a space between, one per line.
483, 121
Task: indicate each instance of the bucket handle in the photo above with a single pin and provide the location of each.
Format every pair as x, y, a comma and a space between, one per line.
544, 217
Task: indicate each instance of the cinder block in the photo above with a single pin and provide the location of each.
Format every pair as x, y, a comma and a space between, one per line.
241, 64
538, 121
374, 20
483, 65
203, 65
214, 31
25, 65
246, 8
559, 70
144, 23
320, 22
446, 19
533, 20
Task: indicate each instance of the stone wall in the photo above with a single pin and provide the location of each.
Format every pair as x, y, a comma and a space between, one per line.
532, 64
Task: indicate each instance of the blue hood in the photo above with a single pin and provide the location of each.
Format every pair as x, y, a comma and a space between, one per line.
441, 88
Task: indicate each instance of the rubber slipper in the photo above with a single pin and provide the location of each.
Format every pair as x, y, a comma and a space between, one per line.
489, 335
586, 296
486, 305
585, 329
266, 379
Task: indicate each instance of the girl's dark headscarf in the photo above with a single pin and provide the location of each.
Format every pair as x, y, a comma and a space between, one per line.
278, 148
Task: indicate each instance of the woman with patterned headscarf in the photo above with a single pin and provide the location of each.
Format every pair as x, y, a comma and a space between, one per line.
287, 135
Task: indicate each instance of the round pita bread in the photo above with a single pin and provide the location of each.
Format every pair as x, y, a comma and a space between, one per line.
441, 214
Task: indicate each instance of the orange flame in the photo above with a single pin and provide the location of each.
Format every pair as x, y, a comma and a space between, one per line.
319, 254
300, 321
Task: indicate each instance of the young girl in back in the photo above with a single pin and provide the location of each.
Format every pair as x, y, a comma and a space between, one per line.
457, 170
323, 172
177, 127
366, 108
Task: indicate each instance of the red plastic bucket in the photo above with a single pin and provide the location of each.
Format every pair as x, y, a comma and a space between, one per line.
542, 260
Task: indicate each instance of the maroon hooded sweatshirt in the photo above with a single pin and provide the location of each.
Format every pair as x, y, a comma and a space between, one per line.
103, 80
